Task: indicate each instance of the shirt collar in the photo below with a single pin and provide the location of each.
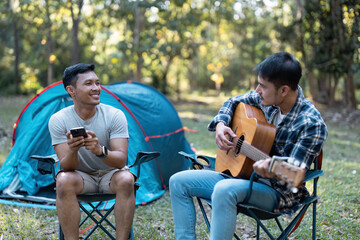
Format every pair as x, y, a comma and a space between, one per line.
295, 110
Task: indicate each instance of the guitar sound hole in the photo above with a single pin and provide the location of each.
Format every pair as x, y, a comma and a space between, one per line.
239, 144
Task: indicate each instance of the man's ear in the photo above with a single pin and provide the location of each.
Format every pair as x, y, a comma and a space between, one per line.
284, 90
71, 90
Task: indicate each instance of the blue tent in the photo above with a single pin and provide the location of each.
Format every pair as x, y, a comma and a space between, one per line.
154, 125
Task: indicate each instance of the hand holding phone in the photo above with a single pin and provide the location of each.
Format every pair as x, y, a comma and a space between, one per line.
78, 131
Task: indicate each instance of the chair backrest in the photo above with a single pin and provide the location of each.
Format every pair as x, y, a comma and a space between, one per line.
319, 161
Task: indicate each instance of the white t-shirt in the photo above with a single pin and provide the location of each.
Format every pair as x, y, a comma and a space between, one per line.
278, 118
107, 123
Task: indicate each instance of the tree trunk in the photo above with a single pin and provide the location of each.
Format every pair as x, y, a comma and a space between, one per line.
16, 46
75, 56
308, 72
313, 90
75, 47
139, 25
17, 56
164, 79
178, 72
334, 80
50, 47
253, 78
350, 99
339, 31
324, 88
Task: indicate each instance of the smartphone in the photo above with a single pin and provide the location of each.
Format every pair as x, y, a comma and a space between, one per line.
78, 131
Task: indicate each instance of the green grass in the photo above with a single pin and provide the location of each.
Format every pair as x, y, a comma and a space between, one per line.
338, 215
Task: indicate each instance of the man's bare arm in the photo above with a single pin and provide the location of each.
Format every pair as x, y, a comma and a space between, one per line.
116, 157
67, 153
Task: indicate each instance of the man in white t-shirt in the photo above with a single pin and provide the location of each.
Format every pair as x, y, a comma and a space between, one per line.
96, 163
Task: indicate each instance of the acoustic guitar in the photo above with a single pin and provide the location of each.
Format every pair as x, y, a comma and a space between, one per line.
254, 141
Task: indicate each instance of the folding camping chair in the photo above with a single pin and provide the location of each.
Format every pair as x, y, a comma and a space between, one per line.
259, 214
96, 201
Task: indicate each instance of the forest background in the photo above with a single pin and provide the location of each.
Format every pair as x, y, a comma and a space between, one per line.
197, 52
182, 45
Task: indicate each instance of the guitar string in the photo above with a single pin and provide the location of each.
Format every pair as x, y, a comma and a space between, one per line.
250, 151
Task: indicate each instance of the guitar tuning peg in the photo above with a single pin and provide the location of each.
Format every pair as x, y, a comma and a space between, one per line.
294, 170
294, 189
278, 174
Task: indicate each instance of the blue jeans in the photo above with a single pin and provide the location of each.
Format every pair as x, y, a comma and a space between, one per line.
224, 193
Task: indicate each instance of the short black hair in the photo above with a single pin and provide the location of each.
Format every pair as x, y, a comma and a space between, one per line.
281, 69
70, 73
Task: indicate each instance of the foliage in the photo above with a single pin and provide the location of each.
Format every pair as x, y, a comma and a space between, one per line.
325, 35
180, 45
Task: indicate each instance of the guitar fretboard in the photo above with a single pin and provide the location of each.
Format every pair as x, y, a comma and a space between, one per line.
250, 151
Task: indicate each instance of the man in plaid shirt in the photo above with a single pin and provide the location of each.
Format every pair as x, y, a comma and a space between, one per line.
300, 134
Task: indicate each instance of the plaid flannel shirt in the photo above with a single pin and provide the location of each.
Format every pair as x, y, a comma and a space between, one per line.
299, 135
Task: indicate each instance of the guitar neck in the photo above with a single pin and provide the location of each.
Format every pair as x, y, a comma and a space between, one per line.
250, 151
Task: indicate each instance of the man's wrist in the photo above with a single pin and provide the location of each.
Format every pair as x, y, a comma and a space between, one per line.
103, 153
220, 123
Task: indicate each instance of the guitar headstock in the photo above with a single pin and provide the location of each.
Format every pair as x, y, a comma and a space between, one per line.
284, 171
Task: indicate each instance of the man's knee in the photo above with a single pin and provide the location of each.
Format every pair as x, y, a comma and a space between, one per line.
178, 182
172, 182
175, 181
224, 191
122, 181
67, 182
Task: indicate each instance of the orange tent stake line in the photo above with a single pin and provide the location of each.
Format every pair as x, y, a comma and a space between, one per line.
91, 225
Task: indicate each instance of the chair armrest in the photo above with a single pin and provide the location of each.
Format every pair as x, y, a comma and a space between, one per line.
199, 161
143, 157
311, 174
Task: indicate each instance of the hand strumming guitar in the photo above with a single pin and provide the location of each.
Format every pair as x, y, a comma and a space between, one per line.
222, 136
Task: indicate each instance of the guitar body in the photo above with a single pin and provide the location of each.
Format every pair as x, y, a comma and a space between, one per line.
251, 126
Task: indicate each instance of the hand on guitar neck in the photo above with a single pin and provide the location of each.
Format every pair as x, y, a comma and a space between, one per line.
277, 167
261, 167
284, 171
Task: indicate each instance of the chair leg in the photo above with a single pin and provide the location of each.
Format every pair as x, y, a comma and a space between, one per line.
314, 222
97, 223
261, 225
131, 236
314, 209
103, 217
287, 230
61, 233
206, 218
280, 227
279, 224
204, 213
